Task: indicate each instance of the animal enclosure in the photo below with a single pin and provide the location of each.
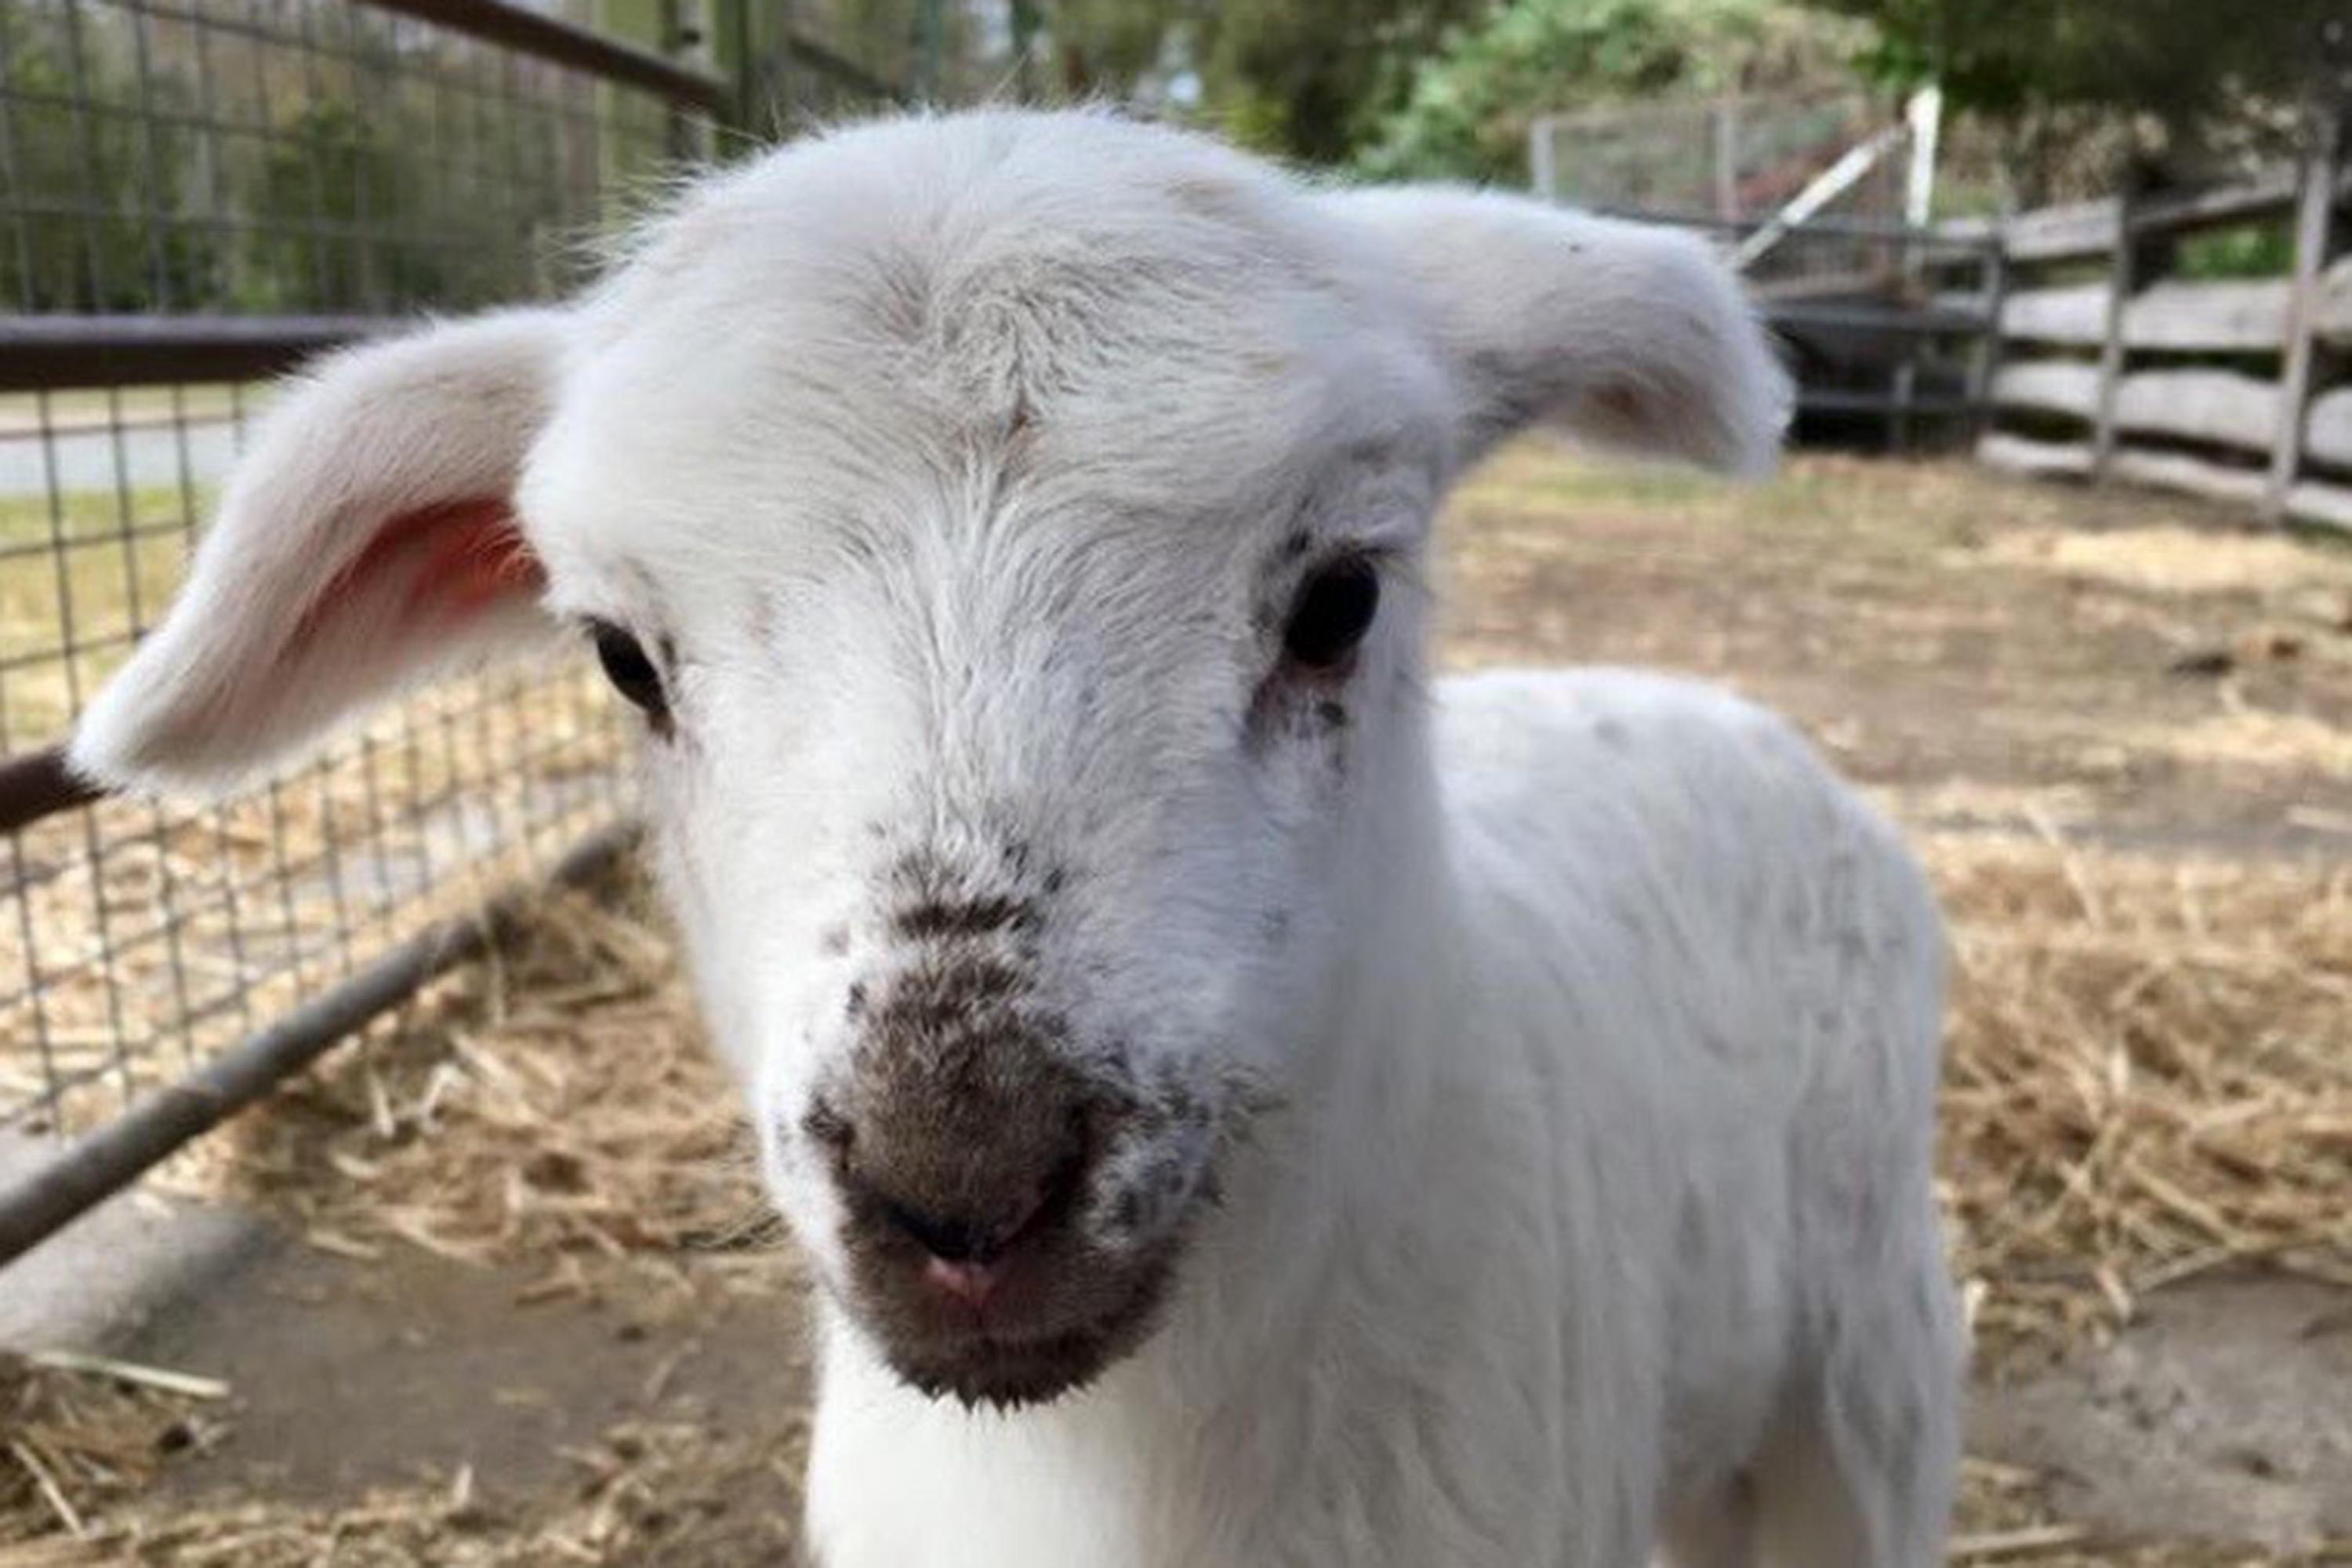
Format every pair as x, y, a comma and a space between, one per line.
2197, 339
2106, 735
2119, 360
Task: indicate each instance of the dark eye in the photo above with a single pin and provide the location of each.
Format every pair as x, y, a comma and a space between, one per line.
1331, 614
633, 674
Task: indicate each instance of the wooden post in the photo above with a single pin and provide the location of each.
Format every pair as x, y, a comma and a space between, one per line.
682, 36
1024, 44
2313, 231
930, 51
1984, 358
1543, 170
2111, 344
1726, 157
1924, 114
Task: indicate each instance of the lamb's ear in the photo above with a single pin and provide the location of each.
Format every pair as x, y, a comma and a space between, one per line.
365, 540
1626, 334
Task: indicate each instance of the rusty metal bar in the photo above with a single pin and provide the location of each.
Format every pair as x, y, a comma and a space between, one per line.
39, 785
842, 68
105, 1161
1914, 319
47, 351
559, 43
2315, 230
1838, 400
1933, 237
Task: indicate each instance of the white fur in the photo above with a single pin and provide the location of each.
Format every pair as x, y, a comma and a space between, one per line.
1572, 1037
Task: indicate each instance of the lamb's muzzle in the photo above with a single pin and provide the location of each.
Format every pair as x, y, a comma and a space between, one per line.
980, 1212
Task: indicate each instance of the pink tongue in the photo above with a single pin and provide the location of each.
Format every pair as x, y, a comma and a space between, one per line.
970, 1283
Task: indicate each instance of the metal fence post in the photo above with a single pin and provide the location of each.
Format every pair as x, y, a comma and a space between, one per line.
1726, 157
1984, 361
1543, 169
160, 965
2122, 274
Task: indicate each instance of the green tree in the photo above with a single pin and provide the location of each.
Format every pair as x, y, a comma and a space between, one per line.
358, 205
1312, 79
99, 196
305, 245
1307, 79
2182, 62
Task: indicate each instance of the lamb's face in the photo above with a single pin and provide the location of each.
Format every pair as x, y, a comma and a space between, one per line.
1012, 526
1018, 640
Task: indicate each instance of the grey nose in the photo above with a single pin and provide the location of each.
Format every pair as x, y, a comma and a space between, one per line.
956, 1204
963, 1125
948, 1238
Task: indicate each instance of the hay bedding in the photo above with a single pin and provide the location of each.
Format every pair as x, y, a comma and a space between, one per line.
2149, 1076
74, 1442
646, 1494
555, 1106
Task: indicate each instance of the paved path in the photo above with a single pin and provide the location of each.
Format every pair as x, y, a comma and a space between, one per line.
116, 1268
145, 457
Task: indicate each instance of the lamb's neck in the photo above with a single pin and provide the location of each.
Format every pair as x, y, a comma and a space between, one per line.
1398, 973
1314, 1203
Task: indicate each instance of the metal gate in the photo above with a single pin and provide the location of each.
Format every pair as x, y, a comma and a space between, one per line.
196, 195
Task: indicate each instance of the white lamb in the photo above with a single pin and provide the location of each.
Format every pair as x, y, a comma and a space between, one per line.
1243, 1102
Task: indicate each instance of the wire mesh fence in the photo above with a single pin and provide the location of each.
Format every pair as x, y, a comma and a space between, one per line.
1729, 157
194, 192
1884, 319
1730, 163
286, 155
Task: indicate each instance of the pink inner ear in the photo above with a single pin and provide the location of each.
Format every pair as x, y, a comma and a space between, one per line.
469, 553
446, 563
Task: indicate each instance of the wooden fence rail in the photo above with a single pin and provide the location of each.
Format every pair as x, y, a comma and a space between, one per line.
2112, 364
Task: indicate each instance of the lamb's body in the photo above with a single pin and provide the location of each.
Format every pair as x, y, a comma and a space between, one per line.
1311, 1125
1619, 1214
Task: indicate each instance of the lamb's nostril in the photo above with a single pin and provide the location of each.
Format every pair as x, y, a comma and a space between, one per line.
948, 1240
968, 1168
963, 1239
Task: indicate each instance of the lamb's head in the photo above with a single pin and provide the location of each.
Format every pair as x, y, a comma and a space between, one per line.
1010, 528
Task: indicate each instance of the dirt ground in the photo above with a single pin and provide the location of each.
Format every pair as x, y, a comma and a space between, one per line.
517, 1304
1978, 649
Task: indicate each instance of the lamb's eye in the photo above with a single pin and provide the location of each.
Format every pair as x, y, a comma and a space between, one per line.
1331, 614
632, 673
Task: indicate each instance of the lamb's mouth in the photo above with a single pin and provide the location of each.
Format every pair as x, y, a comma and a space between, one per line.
979, 1365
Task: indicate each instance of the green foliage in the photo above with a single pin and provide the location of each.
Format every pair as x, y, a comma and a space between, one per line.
2265, 250
373, 191
348, 216
1311, 78
1469, 107
1110, 45
2182, 61
98, 186
316, 184
1307, 79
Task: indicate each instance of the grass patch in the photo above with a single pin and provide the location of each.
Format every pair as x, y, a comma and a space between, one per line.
98, 409
99, 514
86, 568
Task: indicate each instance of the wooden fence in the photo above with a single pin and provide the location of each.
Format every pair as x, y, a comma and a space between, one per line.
2108, 362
